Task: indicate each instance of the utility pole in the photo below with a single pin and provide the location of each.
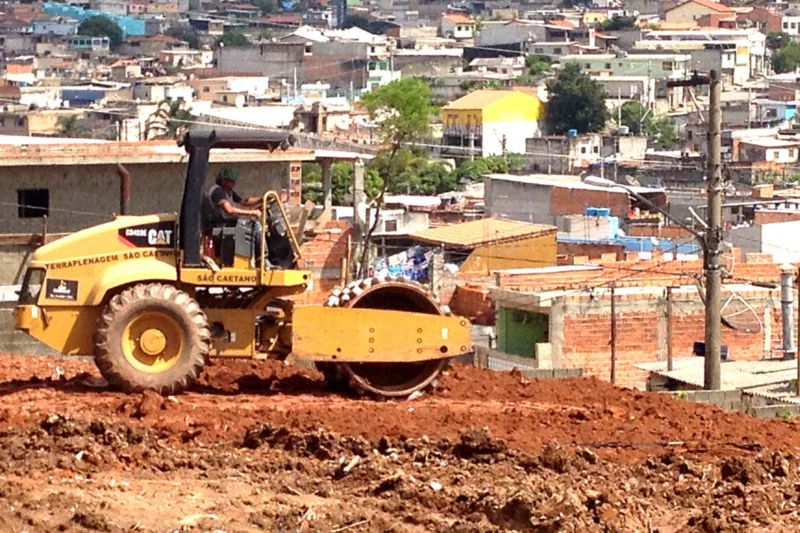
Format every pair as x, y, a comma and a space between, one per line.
712, 237
471, 146
712, 256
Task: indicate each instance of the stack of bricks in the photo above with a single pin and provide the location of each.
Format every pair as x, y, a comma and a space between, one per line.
637, 274
324, 256
475, 303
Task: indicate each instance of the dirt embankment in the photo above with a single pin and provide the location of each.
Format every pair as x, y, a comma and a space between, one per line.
265, 447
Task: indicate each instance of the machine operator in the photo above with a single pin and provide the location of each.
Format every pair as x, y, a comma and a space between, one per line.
225, 206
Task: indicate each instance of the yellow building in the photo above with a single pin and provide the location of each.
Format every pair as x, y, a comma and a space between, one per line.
590, 18
494, 244
493, 121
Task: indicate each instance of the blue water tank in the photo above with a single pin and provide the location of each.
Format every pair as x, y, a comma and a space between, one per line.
572, 133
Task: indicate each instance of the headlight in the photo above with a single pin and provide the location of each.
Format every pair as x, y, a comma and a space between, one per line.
31, 286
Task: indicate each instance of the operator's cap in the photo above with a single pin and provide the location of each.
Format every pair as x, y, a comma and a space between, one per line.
228, 173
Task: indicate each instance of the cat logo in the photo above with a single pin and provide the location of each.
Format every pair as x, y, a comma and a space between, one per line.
157, 235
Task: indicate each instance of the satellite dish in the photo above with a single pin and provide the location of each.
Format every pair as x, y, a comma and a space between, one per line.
736, 313
633, 182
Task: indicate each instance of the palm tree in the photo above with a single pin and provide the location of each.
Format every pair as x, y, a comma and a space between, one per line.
169, 119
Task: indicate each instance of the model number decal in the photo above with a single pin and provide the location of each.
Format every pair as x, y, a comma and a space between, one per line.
159, 235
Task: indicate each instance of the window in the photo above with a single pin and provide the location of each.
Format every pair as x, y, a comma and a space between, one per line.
33, 203
206, 89
785, 25
608, 66
596, 149
791, 153
666, 65
538, 50
557, 50
390, 225
583, 149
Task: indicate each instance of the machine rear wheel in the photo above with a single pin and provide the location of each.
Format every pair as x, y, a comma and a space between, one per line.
152, 337
387, 379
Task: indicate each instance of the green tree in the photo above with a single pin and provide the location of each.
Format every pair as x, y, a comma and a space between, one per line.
537, 65
102, 26
266, 6
662, 131
633, 115
576, 101
413, 173
640, 121
476, 169
68, 126
617, 23
233, 37
787, 59
341, 181
402, 110
777, 40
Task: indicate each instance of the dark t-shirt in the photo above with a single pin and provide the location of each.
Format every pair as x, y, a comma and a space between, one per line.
216, 195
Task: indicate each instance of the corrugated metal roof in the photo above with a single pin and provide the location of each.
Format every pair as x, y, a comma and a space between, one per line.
483, 231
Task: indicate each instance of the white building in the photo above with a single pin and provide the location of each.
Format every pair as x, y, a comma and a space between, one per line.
456, 26
790, 21
740, 53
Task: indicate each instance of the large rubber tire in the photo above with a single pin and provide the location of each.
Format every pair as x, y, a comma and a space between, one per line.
152, 337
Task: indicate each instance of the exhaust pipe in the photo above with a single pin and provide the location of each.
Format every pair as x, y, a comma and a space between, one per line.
787, 309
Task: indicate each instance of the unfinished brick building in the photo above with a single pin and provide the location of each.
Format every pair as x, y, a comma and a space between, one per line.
562, 317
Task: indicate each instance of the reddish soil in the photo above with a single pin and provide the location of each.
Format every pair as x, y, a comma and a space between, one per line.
261, 446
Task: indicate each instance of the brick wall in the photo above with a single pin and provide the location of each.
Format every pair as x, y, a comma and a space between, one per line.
564, 201
663, 232
584, 338
591, 250
767, 217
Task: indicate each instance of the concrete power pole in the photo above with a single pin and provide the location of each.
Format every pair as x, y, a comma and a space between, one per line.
713, 237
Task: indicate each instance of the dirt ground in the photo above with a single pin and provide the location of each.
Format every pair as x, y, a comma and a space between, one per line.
262, 446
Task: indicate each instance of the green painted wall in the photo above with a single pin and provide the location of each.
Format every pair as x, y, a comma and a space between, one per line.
518, 331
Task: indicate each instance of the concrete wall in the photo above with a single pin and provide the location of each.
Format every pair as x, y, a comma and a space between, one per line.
518, 201
776, 239
495, 33
276, 60
82, 196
